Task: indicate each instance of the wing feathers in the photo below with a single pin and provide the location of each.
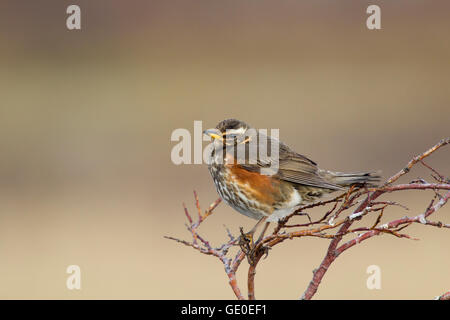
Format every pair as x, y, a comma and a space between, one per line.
292, 167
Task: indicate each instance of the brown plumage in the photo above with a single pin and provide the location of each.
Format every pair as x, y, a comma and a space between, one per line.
269, 185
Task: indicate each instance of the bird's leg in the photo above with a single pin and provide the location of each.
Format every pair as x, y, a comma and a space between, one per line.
265, 249
245, 242
252, 231
263, 232
246, 239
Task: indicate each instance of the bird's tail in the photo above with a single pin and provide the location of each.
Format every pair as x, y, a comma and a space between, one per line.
369, 179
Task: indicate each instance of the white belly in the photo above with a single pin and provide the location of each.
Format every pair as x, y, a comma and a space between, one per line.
288, 208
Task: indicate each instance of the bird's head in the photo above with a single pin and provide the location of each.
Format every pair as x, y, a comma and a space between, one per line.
229, 132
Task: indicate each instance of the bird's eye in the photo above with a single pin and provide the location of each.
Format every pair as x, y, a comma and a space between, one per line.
230, 135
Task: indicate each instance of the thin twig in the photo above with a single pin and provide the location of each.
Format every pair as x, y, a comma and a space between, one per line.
363, 200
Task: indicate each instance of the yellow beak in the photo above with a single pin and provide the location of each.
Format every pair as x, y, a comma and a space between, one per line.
213, 133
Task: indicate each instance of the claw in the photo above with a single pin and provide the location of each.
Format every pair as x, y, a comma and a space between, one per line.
266, 251
246, 241
249, 248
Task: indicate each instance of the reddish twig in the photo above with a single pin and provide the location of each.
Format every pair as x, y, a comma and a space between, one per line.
206, 248
445, 296
364, 201
333, 253
439, 178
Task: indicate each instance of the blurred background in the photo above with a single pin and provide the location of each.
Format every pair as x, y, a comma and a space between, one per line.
86, 118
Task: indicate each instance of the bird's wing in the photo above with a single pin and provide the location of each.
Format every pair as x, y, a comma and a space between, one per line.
291, 166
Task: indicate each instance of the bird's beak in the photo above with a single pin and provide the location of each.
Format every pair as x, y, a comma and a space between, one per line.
213, 133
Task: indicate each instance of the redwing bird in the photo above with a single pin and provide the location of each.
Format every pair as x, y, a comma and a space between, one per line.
269, 187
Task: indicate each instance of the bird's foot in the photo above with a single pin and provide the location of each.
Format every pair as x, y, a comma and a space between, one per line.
246, 241
265, 250
253, 251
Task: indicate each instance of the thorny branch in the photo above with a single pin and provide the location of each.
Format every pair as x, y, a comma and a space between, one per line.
330, 226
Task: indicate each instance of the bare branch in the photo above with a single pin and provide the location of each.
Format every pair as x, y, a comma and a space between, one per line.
336, 223
206, 248
445, 296
333, 253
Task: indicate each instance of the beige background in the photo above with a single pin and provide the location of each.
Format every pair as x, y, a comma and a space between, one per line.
86, 118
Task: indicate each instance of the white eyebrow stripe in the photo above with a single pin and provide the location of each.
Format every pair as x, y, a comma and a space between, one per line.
235, 131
